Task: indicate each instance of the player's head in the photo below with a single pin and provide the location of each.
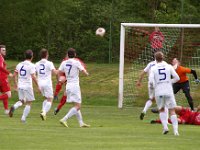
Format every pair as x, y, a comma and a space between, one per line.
3, 50
157, 29
159, 56
71, 53
29, 54
44, 53
175, 63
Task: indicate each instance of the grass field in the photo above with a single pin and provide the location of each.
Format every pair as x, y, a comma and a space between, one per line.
111, 128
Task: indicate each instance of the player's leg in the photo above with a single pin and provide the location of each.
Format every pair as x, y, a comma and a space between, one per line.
148, 104
160, 101
176, 87
29, 95
61, 103
20, 102
47, 92
171, 104
26, 111
61, 81
6, 94
186, 91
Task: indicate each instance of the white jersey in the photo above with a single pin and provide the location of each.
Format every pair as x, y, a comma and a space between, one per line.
25, 69
44, 71
71, 68
147, 69
160, 78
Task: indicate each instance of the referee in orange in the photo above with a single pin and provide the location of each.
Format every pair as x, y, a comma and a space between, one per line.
183, 83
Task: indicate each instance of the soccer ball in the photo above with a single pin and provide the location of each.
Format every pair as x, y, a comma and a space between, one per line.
100, 32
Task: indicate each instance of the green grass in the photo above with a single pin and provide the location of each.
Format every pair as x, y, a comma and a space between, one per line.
111, 128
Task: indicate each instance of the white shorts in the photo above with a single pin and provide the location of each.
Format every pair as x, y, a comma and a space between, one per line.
167, 101
73, 92
46, 90
151, 92
26, 94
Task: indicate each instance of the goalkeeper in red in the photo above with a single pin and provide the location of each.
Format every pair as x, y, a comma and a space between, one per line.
185, 116
4, 85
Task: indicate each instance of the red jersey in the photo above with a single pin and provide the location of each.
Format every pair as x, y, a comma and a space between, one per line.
156, 39
3, 71
189, 117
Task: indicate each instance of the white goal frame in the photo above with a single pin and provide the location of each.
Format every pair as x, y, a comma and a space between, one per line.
122, 47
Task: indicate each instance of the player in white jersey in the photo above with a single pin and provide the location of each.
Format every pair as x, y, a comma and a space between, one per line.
71, 68
26, 73
150, 90
161, 77
44, 69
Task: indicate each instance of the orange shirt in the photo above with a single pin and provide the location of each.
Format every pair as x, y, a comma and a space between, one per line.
182, 71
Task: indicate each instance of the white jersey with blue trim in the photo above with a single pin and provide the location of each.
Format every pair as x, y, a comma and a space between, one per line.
25, 69
160, 78
71, 68
44, 71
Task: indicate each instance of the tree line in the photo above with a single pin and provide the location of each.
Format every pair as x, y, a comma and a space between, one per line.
60, 24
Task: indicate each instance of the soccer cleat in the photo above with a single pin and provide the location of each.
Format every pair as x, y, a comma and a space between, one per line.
176, 133
165, 131
64, 123
56, 110
6, 112
43, 116
84, 125
153, 122
154, 110
23, 121
12, 109
142, 116
55, 98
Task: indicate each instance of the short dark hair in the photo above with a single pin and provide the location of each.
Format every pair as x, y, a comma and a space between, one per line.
159, 56
28, 54
43, 53
2, 46
71, 52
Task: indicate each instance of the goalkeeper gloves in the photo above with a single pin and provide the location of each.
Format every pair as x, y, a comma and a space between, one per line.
196, 80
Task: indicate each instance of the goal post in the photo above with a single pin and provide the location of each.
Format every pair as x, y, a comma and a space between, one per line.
180, 40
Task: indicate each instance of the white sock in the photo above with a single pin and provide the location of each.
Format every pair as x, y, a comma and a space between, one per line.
174, 123
147, 106
70, 113
43, 104
47, 107
79, 117
164, 120
17, 104
26, 112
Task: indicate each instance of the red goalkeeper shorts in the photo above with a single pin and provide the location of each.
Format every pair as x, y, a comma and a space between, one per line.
4, 85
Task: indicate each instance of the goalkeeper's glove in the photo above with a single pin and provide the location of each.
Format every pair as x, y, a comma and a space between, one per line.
196, 80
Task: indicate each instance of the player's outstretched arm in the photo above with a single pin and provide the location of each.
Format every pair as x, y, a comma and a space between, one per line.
140, 78
85, 72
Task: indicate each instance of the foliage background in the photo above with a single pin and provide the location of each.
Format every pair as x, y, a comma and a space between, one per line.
60, 24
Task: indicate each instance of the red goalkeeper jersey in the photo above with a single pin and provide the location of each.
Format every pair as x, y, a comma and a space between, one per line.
3, 71
156, 39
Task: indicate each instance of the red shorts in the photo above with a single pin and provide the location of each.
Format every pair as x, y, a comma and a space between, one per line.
4, 85
197, 118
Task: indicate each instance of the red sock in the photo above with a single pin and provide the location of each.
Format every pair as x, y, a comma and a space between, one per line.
58, 88
62, 102
3, 96
5, 103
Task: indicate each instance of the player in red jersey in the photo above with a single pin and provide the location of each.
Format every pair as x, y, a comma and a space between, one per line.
186, 116
4, 85
61, 81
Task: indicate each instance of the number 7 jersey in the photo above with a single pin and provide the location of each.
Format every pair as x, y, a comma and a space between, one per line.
71, 68
25, 69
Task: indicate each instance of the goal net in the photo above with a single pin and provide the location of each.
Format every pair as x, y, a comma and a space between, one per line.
180, 41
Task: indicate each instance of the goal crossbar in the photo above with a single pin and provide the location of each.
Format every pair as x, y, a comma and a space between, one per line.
122, 49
